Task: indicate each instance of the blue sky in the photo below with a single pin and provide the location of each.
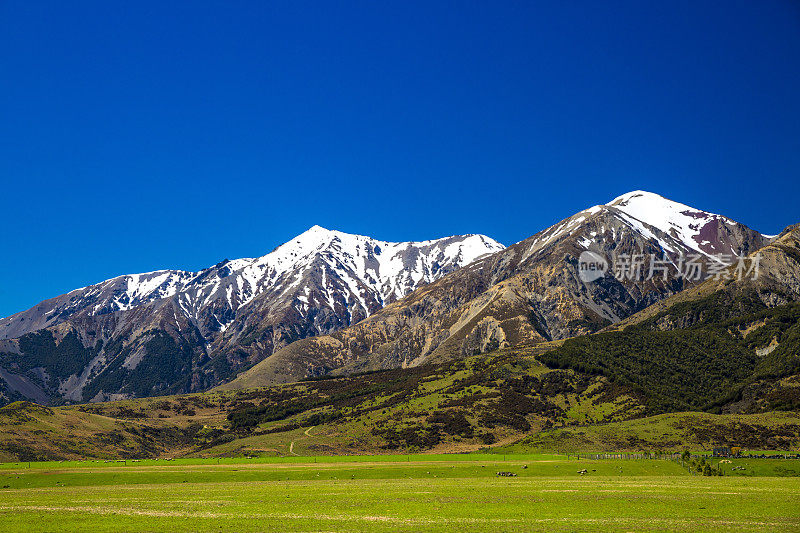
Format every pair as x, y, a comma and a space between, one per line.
143, 135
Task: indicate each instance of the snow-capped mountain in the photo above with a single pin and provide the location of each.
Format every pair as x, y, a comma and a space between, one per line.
359, 274
328, 300
526, 293
316, 283
673, 227
330, 269
679, 226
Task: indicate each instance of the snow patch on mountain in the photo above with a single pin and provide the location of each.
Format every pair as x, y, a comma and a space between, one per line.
676, 227
678, 220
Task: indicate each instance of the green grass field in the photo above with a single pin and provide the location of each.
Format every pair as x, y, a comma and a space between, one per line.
394, 493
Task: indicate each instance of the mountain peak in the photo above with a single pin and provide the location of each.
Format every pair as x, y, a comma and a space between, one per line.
650, 205
314, 231
641, 195
654, 205
679, 227
316, 228
699, 230
665, 214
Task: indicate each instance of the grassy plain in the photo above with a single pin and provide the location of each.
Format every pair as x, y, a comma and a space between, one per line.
391, 493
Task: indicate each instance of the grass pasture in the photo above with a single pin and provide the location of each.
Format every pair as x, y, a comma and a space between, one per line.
390, 493
750, 467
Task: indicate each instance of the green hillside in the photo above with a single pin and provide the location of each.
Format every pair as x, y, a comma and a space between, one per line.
704, 366
485, 402
672, 431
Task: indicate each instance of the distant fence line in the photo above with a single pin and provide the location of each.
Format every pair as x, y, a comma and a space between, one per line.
624, 456
677, 456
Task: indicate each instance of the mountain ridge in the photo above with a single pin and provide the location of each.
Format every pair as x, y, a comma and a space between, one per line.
317, 282
332, 302
142, 288
529, 292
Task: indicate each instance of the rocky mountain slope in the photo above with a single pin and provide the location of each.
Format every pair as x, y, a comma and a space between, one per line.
774, 284
533, 291
144, 334
731, 344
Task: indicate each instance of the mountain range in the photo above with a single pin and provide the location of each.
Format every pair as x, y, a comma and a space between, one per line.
729, 346
144, 334
330, 302
530, 292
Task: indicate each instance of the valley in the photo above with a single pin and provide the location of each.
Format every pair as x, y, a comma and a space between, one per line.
459, 365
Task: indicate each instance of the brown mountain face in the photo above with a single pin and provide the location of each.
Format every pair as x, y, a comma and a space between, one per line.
531, 292
730, 344
775, 284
